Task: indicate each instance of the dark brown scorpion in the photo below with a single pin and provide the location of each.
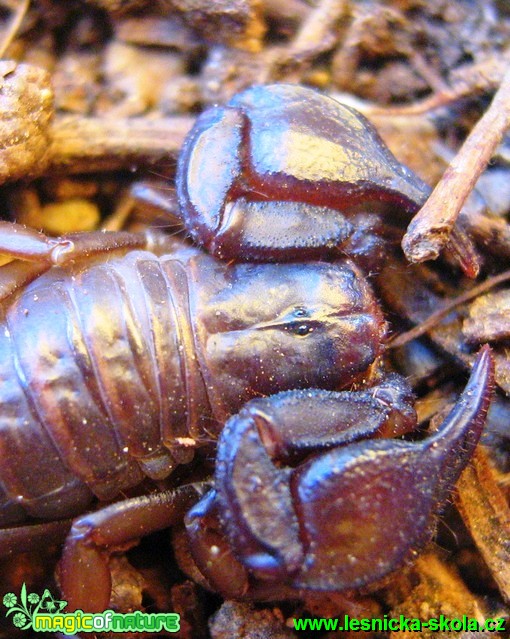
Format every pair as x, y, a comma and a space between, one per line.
116, 363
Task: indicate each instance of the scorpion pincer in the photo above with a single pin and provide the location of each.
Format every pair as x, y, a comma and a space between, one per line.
117, 363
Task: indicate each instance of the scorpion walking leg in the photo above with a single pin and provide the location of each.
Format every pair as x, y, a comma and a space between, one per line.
35, 253
85, 579
33, 537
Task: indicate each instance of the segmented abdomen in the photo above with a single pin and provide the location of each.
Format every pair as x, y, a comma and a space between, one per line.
92, 382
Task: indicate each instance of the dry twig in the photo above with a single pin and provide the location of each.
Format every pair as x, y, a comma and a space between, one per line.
469, 81
91, 144
435, 318
430, 229
317, 33
14, 25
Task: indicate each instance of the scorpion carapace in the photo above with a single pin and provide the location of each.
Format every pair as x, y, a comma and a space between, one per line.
116, 366
150, 354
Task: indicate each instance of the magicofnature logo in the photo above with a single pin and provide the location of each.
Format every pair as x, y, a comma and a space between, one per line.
44, 614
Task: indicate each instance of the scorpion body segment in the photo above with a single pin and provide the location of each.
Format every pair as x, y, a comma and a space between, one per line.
116, 370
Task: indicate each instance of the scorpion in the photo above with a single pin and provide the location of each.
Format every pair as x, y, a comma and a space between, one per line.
119, 360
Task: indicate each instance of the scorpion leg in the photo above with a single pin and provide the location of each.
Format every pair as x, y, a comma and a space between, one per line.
84, 576
35, 253
29, 538
323, 523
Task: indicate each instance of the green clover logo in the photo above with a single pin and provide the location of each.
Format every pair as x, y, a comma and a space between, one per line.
19, 620
10, 600
28, 605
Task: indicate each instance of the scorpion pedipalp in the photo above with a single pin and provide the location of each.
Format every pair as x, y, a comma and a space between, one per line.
239, 198
324, 523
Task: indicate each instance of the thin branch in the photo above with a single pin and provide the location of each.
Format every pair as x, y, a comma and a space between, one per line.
440, 314
14, 26
430, 229
81, 144
316, 33
465, 82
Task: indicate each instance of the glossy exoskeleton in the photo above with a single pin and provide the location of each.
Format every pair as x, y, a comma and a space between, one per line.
117, 365
118, 369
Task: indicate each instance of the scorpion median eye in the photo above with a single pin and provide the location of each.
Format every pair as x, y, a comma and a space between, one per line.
300, 328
